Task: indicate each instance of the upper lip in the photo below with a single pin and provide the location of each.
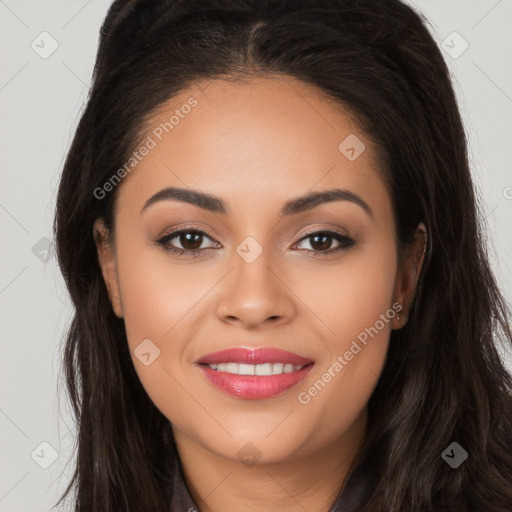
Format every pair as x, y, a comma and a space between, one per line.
250, 355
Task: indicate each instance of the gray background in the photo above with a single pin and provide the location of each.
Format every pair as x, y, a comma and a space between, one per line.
40, 101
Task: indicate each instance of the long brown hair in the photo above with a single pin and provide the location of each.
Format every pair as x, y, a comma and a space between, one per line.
443, 379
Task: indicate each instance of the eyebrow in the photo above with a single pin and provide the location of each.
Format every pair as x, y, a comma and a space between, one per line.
291, 207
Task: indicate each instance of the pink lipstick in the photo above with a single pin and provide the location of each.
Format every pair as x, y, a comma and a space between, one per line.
254, 373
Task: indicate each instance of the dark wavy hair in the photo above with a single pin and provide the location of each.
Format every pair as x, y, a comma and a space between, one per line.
443, 379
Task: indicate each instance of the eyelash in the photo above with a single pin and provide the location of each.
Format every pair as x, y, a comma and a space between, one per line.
345, 241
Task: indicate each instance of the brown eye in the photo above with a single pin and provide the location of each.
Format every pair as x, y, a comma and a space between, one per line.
190, 241
321, 242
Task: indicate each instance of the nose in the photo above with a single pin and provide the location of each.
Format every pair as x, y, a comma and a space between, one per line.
255, 295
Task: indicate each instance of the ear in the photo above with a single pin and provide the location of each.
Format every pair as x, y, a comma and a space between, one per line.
108, 264
408, 273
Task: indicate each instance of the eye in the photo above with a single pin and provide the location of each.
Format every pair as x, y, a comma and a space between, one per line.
321, 242
189, 239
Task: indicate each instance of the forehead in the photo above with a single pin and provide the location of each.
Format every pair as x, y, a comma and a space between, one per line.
263, 136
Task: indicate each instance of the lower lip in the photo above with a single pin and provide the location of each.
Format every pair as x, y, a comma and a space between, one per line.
255, 387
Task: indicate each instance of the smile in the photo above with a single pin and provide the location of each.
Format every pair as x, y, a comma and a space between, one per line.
256, 369
254, 373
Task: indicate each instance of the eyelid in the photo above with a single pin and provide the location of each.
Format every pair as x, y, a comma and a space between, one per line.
177, 231
345, 243
185, 229
300, 235
316, 224
331, 229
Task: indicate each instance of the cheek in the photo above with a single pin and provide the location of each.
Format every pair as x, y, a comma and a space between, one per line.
354, 302
162, 304
338, 303
157, 294
350, 296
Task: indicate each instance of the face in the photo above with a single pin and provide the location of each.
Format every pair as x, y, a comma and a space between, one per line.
253, 268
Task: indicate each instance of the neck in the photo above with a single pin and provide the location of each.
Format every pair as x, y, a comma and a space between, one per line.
304, 481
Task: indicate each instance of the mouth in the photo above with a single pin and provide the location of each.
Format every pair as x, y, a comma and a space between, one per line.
263, 369
254, 373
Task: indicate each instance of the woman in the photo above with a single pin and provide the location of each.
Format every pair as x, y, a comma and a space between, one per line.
268, 228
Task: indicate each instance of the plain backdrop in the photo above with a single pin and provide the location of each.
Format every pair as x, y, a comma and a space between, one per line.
47, 55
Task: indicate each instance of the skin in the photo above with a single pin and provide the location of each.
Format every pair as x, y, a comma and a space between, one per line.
257, 145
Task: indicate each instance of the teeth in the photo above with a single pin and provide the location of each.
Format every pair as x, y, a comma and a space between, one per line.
288, 368
244, 369
255, 369
277, 367
264, 369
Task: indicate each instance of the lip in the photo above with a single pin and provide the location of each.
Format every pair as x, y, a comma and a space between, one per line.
254, 387
250, 355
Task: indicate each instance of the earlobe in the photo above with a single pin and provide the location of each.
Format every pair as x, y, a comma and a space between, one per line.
407, 277
107, 262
